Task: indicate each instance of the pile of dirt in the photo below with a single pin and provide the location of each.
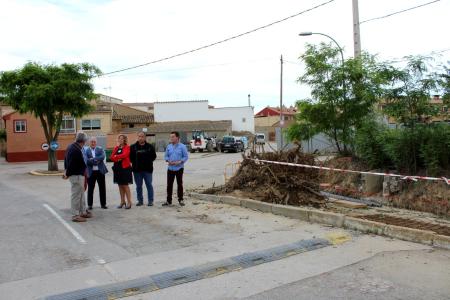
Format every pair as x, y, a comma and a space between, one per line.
273, 183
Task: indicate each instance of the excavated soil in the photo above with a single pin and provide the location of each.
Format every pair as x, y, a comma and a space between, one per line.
391, 220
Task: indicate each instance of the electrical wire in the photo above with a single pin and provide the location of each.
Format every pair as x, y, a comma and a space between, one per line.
191, 68
399, 12
219, 42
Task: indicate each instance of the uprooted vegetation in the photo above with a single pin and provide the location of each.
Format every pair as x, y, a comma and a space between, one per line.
273, 183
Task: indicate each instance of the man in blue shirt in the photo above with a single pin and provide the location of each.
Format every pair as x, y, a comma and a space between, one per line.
176, 155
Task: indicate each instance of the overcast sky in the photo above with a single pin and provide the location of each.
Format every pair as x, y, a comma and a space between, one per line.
123, 33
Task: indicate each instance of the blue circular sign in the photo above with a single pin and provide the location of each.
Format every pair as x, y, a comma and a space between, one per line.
54, 146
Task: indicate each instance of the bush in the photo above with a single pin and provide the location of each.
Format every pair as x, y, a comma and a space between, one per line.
369, 141
425, 147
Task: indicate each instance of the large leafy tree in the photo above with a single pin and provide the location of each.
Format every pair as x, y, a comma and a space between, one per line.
408, 95
49, 92
407, 99
342, 94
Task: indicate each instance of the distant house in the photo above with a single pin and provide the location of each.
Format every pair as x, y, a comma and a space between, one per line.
158, 133
436, 101
25, 134
199, 110
144, 106
269, 118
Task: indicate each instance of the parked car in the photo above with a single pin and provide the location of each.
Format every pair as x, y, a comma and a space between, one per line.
231, 144
244, 141
260, 139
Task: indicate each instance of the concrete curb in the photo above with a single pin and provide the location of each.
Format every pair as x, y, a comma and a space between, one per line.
425, 237
37, 173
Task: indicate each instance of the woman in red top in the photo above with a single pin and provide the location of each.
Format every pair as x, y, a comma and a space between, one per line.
122, 170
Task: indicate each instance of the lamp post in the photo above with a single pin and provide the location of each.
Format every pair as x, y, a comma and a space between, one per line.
308, 33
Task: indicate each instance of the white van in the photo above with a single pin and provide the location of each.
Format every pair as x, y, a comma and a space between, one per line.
260, 138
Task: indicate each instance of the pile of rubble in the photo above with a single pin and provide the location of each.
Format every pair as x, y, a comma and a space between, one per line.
280, 184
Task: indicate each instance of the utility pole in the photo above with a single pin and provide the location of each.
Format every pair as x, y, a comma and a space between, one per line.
356, 32
281, 103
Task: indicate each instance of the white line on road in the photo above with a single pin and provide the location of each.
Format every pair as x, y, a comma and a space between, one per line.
68, 227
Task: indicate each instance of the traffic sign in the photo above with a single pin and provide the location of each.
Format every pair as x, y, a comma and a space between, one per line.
45, 146
54, 146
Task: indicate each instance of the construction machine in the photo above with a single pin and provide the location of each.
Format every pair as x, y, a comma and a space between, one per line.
202, 142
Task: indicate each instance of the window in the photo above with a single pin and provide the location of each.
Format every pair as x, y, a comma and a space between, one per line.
20, 126
93, 124
68, 125
130, 125
243, 120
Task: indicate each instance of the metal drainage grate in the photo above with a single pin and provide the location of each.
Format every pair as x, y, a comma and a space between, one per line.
180, 276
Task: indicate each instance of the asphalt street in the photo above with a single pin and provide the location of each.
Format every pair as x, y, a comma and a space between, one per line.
43, 253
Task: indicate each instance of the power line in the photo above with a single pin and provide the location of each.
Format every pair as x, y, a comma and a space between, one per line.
403, 59
192, 67
221, 41
399, 12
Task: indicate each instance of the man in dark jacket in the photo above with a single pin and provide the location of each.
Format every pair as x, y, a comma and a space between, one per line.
142, 155
75, 171
96, 170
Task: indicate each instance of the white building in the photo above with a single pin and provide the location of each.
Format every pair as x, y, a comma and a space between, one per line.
199, 110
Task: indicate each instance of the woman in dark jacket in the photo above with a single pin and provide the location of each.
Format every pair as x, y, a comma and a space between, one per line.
122, 170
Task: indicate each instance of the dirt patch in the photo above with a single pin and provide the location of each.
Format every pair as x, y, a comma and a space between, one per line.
426, 196
273, 183
202, 218
390, 220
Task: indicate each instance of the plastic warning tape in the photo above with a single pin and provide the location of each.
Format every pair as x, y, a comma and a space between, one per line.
404, 177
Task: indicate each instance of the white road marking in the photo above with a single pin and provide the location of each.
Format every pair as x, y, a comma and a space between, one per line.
68, 227
100, 260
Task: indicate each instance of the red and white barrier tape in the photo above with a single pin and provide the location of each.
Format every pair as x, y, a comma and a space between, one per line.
404, 177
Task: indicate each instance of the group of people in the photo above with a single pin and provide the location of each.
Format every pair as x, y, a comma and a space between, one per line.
84, 167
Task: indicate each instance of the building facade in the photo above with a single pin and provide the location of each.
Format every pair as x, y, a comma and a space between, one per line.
268, 119
241, 118
25, 134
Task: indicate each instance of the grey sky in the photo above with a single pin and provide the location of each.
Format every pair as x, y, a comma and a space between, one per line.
116, 34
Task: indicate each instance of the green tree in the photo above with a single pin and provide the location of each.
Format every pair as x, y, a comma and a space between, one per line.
342, 94
407, 100
49, 92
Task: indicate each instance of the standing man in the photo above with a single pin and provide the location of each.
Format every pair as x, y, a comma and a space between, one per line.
75, 170
142, 155
176, 155
96, 170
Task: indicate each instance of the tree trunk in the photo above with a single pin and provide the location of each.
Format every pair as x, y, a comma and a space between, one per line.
52, 161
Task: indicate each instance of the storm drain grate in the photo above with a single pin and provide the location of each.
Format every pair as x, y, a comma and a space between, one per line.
180, 276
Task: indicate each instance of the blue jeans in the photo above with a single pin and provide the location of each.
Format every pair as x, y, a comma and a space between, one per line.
147, 178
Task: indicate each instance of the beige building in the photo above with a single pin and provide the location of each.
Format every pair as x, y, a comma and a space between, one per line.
269, 118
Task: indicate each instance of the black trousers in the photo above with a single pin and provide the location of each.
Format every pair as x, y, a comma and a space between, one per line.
100, 179
171, 175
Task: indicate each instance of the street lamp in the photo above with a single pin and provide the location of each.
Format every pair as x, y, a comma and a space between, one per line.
308, 33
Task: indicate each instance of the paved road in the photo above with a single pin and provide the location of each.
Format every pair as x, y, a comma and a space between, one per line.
40, 256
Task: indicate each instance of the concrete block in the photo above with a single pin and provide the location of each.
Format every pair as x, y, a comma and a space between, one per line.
410, 234
325, 217
441, 241
372, 183
365, 226
257, 205
230, 200
293, 212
